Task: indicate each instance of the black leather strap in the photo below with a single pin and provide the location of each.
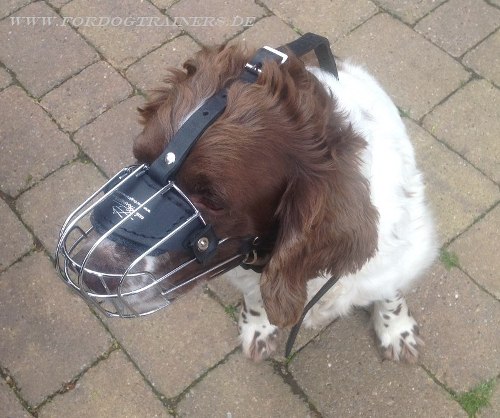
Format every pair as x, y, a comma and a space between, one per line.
171, 159
321, 47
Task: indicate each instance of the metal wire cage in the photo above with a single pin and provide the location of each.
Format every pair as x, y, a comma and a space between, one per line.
132, 290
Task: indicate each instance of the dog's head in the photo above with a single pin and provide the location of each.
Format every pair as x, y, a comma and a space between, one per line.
279, 164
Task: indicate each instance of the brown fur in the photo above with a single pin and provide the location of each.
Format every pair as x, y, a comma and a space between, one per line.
280, 164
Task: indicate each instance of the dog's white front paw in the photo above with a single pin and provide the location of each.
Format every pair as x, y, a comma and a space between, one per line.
397, 333
259, 338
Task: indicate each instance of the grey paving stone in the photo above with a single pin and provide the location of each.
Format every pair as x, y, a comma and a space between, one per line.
269, 31
216, 21
108, 140
47, 205
416, 74
5, 78
163, 4
459, 323
121, 41
11, 407
227, 293
86, 96
58, 3
48, 335
241, 388
112, 388
485, 59
458, 193
31, 145
409, 10
42, 55
478, 250
149, 72
469, 121
328, 20
9, 6
343, 376
178, 344
18, 240
459, 25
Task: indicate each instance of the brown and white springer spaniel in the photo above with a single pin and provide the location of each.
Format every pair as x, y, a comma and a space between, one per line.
320, 168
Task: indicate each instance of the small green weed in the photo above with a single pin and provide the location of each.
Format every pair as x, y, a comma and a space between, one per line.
231, 310
449, 259
477, 398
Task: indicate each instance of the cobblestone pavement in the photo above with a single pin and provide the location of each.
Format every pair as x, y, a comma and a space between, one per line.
69, 89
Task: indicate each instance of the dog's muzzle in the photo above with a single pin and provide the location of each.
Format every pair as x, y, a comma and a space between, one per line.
148, 222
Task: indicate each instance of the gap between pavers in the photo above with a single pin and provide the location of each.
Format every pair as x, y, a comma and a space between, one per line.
477, 250
48, 335
31, 145
178, 344
241, 388
342, 375
112, 388
459, 323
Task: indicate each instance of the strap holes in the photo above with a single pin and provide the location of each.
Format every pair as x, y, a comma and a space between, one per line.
205, 113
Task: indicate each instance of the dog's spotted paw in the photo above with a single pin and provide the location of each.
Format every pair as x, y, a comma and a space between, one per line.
397, 333
259, 338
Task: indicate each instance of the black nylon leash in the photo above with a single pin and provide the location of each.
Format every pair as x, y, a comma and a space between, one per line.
295, 329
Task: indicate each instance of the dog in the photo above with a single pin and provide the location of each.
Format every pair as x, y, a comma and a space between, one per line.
322, 171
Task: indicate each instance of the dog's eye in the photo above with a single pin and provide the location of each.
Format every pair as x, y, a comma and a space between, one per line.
206, 199
212, 202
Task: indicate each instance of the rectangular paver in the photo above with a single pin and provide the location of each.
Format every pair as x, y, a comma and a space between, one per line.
42, 55
469, 121
331, 19
477, 250
218, 20
112, 388
457, 192
19, 239
241, 388
31, 145
459, 323
343, 376
47, 334
86, 96
45, 207
179, 343
108, 140
416, 74
124, 37
458, 25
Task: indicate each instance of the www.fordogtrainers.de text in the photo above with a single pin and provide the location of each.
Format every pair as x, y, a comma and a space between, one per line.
139, 21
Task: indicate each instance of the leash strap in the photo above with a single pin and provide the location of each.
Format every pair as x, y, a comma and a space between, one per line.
295, 329
320, 45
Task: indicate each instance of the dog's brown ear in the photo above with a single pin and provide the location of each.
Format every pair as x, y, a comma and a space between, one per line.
283, 283
325, 226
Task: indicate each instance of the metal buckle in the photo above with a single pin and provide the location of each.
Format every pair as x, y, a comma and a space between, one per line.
256, 68
280, 54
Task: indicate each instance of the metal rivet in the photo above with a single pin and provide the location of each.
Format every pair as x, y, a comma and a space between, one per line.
203, 243
170, 158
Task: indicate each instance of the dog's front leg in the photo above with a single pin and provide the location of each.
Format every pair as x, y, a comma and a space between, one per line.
257, 335
396, 329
